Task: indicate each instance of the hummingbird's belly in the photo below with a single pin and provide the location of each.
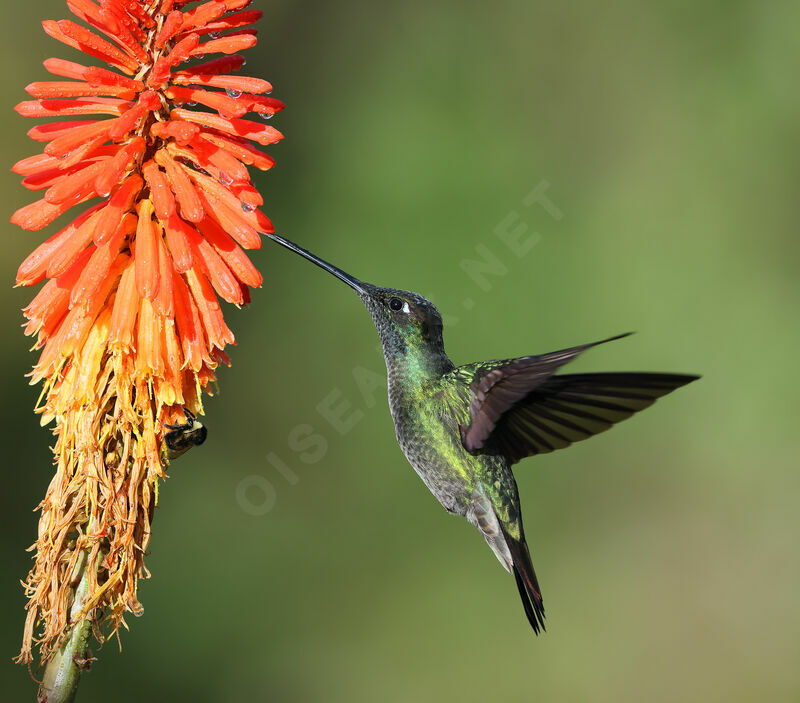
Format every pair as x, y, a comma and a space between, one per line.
443, 465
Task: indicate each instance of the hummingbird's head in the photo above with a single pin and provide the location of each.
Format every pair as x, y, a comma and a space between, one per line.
405, 321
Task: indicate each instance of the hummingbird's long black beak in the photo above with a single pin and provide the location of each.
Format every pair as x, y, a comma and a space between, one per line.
354, 283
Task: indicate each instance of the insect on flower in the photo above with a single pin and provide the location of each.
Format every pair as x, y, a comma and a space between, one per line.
182, 437
152, 142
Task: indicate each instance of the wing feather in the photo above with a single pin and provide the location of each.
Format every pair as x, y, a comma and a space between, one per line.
497, 386
572, 407
522, 408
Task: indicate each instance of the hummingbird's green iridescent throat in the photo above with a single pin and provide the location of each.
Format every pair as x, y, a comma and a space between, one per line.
462, 428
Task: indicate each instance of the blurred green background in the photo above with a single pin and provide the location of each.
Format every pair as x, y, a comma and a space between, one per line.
667, 134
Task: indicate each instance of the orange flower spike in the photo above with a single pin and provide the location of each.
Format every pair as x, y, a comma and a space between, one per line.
123, 315
238, 19
91, 358
67, 140
39, 214
234, 5
128, 319
73, 245
88, 42
218, 66
163, 199
78, 321
242, 151
181, 132
119, 165
229, 44
33, 269
149, 362
203, 14
261, 133
146, 254
242, 218
225, 105
231, 253
164, 302
215, 269
148, 101
116, 207
66, 69
78, 106
217, 332
127, 35
71, 89
187, 320
264, 106
37, 163
45, 179
169, 29
47, 308
242, 232
101, 76
52, 130
91, 150
249, 196
180, 53
190, 206
76, 186
179, 234
221, 165
93, 75
242, 84
98, 266
96, 17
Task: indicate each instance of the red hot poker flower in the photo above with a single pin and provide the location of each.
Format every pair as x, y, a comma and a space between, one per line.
129, 321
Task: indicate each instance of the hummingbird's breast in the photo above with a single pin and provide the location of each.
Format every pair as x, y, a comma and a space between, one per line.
428, 433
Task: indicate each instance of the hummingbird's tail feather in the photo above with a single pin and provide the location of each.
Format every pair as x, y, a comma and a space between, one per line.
482, 514
527, 583
512, 553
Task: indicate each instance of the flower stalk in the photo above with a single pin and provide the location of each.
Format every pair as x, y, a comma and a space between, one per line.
63, 672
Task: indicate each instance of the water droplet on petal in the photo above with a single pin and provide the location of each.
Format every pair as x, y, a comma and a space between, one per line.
214, 35
266, 115
200, 56
225, 179
247, 207
234, 93
191, 104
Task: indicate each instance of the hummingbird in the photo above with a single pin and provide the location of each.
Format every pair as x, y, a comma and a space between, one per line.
463, 427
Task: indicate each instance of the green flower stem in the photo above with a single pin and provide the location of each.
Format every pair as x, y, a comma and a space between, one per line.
63, 671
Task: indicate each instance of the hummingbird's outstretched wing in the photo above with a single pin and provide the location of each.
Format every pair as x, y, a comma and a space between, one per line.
525, 409
496, 386
572, 407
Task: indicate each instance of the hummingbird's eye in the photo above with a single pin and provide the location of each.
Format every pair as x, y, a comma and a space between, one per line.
396, 304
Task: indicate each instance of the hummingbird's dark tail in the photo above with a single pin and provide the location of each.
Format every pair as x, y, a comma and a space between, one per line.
526, 582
